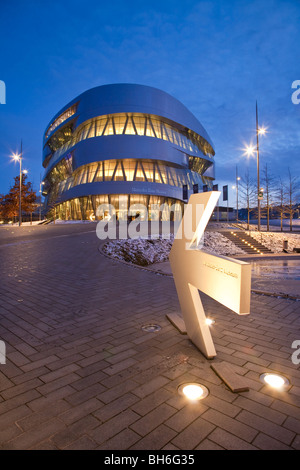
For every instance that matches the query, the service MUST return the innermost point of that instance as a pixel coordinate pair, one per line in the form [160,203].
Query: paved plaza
[81,373]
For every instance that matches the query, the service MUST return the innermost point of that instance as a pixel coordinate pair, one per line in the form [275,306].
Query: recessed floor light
[151,328]
[193,391]
[210,321]
[275,380]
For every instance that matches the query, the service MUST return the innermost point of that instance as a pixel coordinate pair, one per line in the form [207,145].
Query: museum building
[123,144]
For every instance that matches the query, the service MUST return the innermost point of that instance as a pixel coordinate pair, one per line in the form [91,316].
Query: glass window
[139,122]
[139,176]
[99,172]
[129,168]
[92,130]
[119,175]
[149,130]
[157,128]
[63,117]
[148,169]
[109,129]
[92,171]
[109,166]
[100,124]
[130,127]
[119,123]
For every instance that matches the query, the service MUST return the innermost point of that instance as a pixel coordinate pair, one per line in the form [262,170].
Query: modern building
[123,144]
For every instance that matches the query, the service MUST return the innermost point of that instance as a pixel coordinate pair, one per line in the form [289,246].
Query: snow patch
[274,240]
[144,251]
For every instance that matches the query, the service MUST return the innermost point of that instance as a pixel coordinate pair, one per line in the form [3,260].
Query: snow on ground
[144,251]
[274,240]
[24,224]
[63,222]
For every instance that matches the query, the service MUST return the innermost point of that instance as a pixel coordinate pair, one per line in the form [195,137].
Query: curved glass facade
[88,153]
[124,124]
[87,207]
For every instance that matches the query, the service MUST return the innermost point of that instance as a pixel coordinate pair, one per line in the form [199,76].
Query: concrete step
[246,243]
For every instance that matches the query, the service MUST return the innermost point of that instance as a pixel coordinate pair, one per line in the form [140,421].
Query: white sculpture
[226,280]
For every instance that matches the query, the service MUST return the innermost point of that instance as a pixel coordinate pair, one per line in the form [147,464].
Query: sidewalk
[82,374]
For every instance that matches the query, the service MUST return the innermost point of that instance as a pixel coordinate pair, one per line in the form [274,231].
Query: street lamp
[18,158]
[250,151]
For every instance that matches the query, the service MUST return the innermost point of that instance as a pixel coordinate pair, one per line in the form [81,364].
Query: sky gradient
[216,57]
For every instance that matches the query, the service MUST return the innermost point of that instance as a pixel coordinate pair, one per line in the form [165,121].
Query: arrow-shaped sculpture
[226,280]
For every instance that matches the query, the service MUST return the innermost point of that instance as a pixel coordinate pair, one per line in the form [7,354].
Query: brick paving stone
[260,410]
[122,441]
[84,425]
[33,437]
[296,442]
[34,419]
[151,386]
[231,425]
[228,441]
[115,407]
[84,443]
[75,413]
[208,445]
[63,438]
[267,427]
[112,427]
[185,416]
[191,436]
[264,442]
[147,404]
[152,420]
[156,440]
[81,373]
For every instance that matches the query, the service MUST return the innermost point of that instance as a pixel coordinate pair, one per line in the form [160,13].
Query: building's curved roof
[132,98]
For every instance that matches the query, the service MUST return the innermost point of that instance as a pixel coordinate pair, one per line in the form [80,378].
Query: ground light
[210,321]
[275,380]
[193,391]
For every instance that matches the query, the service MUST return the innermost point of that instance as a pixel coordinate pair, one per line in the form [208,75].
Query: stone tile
[82,374]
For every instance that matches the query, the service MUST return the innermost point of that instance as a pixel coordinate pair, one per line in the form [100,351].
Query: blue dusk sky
[217,57]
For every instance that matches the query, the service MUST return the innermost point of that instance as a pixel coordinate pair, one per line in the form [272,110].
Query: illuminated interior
[85,208]
[63,117]
[137,124]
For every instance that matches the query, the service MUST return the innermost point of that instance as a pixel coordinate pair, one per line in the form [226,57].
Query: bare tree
[281,201]
[248,194]
[292,188]
[268,181]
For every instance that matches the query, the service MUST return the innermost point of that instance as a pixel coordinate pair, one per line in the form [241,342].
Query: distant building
[123,144]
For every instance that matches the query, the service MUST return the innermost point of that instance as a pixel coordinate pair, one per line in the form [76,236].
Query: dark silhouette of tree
[268,181]
[248,193]
[292,188]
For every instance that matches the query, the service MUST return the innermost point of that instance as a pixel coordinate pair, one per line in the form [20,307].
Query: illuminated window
[136,124]
[109,129]
[63,117]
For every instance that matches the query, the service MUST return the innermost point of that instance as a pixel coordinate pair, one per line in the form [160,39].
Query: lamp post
[258,180]
[18,158]
[250,151]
